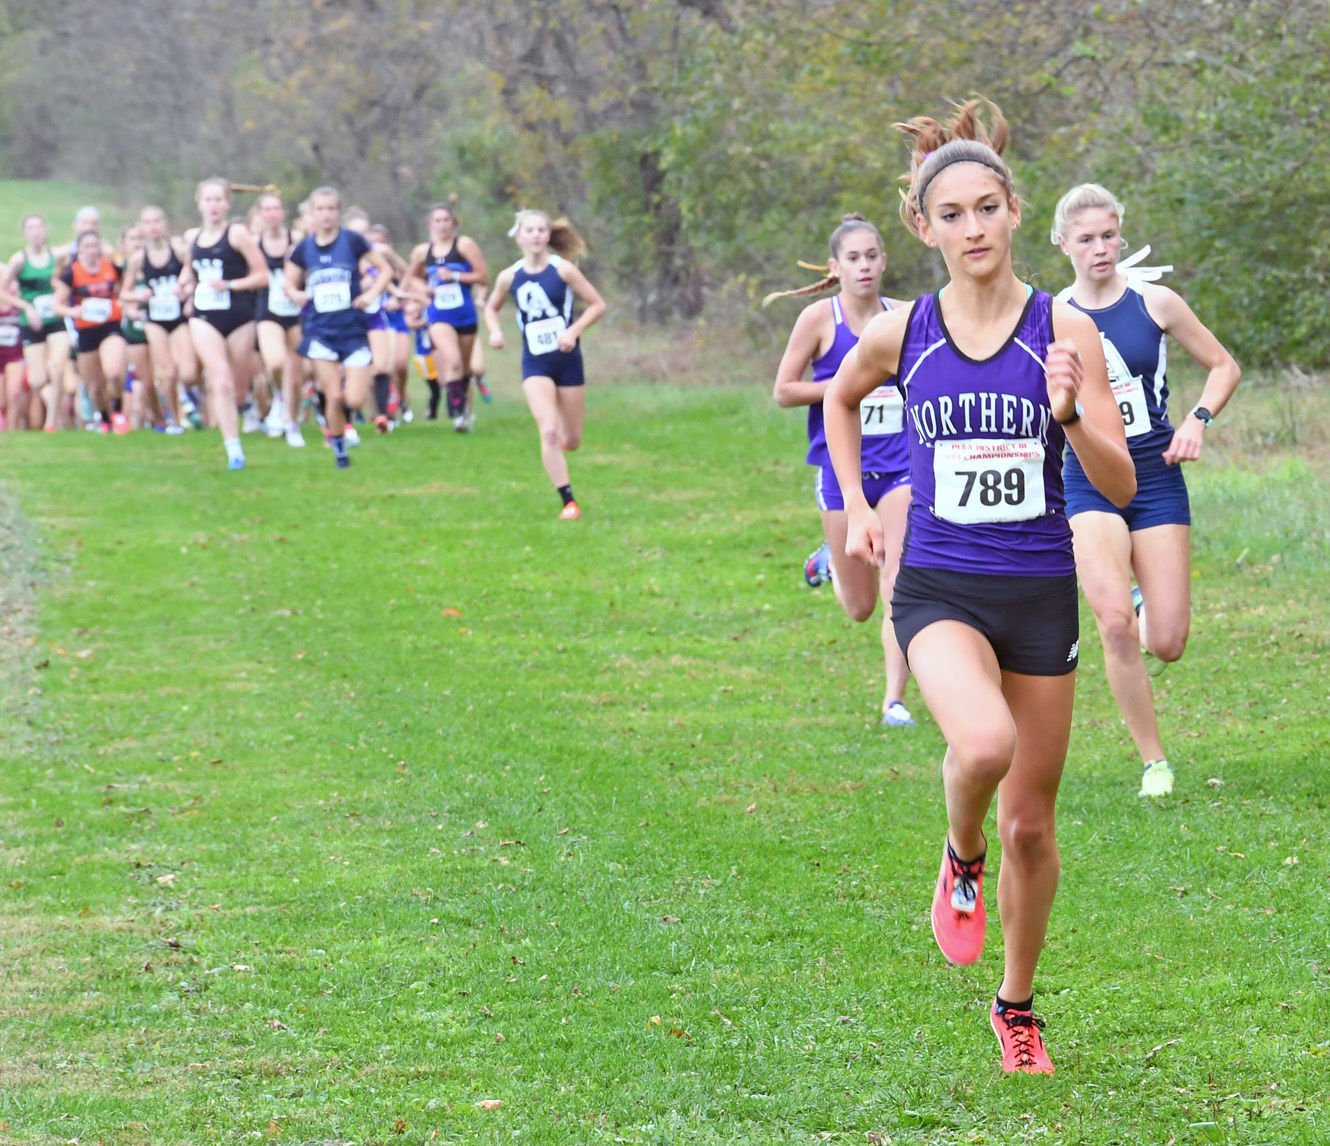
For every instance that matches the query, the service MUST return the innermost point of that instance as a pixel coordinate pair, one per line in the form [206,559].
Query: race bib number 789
[986,481]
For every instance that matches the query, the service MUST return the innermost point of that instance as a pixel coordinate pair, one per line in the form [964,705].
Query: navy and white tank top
[985,451]
[332,281]
[883,448]
[1135,347]
[164,304]
[544,306]
[218,260]
[450,301]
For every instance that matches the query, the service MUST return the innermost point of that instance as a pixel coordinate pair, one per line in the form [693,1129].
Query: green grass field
[57,201]
[340,806]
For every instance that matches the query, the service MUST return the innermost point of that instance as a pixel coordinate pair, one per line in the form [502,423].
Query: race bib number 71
[882,412]
[986,481]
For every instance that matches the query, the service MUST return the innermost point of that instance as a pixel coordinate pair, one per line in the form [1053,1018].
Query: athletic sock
[1003,1005]
[233,449]
[382,393]
[566,492]
[338,446]
[456,398]
[434,394]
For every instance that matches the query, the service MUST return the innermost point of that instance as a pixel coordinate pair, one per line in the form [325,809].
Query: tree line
[705,145]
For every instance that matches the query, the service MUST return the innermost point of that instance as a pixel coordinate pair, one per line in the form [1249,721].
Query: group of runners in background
[976,451]
[253,325]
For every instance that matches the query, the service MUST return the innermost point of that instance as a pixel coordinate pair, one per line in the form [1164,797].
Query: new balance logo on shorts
[1075,648]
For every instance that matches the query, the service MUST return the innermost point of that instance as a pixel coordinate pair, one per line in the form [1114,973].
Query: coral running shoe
[1022,1044]
[817,569]
[958,908]
[570,512]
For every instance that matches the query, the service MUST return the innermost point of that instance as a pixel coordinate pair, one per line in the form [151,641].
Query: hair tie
[1135,274]
[517,222]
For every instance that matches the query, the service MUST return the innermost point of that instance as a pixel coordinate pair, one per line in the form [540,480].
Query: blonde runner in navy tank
[544,285]
[1147,541]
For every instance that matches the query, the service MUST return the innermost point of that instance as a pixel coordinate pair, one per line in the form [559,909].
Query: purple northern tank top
[884,448]
[985,451]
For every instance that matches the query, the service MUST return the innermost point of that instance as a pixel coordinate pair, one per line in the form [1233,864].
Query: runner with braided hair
[823,334]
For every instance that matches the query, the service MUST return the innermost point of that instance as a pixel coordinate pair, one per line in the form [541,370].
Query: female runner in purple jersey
[1150,538]
[821,337]
[996,378]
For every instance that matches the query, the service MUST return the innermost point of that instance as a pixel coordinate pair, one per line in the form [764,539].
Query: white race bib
[9,335]
[45,305]
[278,302]
[882,412]
[331,297]
[206,298]
[448,296]
[164,304]
[1129,394]
[95,310]
[542,336]
[986,481]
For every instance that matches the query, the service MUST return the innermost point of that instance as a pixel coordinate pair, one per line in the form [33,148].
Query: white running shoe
[350,436]
[1157,779]
[294,437]
[896,715]
[274,424]
[250,422]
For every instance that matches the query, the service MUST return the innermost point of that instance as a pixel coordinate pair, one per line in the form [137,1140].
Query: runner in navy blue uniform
[996,378]
[449,266]
[323,271]
[822,336]
[225,269]
[544,284]
[1151,538]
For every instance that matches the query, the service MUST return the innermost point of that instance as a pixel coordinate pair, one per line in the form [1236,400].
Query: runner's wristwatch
[1207,418]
